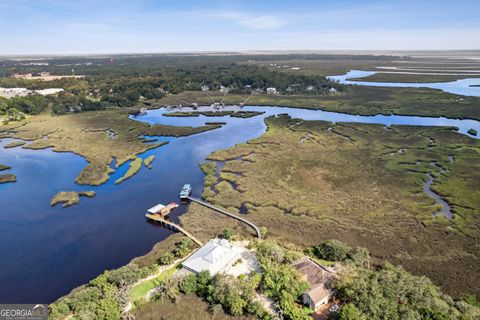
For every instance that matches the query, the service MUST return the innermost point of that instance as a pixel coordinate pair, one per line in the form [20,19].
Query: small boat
[185,192]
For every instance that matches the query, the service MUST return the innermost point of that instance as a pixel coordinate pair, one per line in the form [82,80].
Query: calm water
[464,87]
[48,251]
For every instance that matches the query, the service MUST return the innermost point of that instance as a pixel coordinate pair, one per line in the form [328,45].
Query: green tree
[236,304]
[183,248]
[470,299]
[166,259]
[333,250]
[189,284]
[203,281]
[350,312]
[360,257]
[108,309]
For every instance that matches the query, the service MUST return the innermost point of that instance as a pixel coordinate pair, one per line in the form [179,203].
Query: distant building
[14,92]
[205,88]
[217,255]
[332,90]
[310,88]
[319,278]
[271,90]
[46,92]
[23,76]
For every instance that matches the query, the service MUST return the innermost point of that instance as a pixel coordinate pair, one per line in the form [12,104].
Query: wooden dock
[208,205]
[173,226]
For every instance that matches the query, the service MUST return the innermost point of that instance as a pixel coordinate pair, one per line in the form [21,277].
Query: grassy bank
[362,183]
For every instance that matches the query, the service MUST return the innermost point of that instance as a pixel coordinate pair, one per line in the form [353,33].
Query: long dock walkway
[173,226]
[208,205]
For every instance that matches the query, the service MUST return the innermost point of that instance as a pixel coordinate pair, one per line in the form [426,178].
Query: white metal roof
[155,209]
[214,256]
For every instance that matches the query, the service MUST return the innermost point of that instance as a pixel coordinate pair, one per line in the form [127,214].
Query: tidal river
[465,87]
[46,252]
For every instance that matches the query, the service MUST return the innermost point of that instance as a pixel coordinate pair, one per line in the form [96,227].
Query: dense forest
[123,81]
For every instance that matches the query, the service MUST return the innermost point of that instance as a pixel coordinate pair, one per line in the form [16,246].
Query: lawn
[141,290]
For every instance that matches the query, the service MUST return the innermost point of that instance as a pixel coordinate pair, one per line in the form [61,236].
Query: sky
[29,27]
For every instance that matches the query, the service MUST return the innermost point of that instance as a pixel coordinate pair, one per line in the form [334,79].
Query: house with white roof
[271,90]
[217,255]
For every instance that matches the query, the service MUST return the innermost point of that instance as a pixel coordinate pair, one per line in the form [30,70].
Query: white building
[14,92]
[46,92]
[332,90]
[271,90]
[217,255]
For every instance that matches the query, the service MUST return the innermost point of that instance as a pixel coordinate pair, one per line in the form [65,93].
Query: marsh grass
[9,177]
[70,198]
[133,169]
[14,144]
[362,184]
[148,161]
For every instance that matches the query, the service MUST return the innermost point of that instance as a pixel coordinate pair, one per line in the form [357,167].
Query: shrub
[227,233]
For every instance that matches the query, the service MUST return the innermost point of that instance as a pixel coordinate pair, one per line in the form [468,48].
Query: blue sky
[121,26]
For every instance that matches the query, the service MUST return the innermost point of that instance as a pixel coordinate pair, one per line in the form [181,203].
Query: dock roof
[155,209]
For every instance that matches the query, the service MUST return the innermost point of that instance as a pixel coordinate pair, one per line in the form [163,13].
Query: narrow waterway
[47,251]
[445,210]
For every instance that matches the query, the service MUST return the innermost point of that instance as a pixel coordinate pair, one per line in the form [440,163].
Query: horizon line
[239,52]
